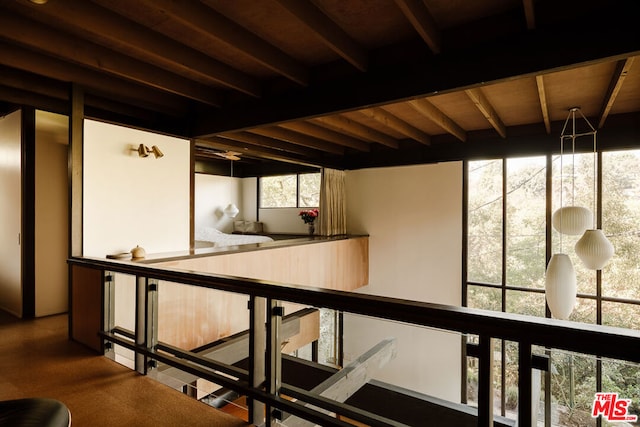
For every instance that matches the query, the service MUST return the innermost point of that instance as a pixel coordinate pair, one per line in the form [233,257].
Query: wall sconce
[144,151]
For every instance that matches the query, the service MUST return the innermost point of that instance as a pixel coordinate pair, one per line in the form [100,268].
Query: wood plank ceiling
[337,83]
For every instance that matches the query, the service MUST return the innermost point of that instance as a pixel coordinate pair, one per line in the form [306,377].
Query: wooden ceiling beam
[482,103]
[92,81]
[431,112]
[19,96]
[221,143]
[266,142]
[620,73]
[34,83]
[387,119]
[542,96]
[298,139]
[115,31]
[343,124]
[418,15]
[527,53]
[66,47]
[328,31]
[327,134]
[211,24]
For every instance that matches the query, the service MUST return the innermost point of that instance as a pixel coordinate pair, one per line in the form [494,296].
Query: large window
[509,240]
[290,191]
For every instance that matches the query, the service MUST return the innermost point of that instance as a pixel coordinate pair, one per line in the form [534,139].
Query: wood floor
[38,360]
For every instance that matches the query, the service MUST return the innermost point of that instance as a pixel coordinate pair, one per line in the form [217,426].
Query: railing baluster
[151,327]
[257,348]
[274,359]
[108,310]
[524,384]
[141,322]
[485,381]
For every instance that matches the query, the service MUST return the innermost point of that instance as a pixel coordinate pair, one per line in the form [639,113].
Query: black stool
[36,412]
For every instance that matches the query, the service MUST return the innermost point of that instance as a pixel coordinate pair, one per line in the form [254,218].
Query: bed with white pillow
[218,239]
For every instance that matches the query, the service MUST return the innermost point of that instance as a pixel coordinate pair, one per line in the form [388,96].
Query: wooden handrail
[597,340]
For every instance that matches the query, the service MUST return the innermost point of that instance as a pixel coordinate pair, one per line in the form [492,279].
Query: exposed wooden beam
[529,13]
[542,96]
[212,24]
[29,82]
[116,32]
[328,31]
[266,142]
[91,81]
[487,110]
[347,381]
[528,53]
[418,14]
[387,119]
[430,111]
[298,139]
[327,135]
[220,143]
[61,45]
[344,124]
[620,73]
[18,96]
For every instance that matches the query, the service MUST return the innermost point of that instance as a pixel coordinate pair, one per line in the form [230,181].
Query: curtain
[332,219]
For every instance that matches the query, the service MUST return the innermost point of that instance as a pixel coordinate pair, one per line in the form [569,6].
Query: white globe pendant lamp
[231,210]
[572,220]
[560,286]
[594,249]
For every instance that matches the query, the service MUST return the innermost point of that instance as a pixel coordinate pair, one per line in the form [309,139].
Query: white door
[10,213]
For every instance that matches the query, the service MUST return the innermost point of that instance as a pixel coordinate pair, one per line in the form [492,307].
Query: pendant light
[560,281]
[231,210]
[560,286]
[593,248]
[571,220]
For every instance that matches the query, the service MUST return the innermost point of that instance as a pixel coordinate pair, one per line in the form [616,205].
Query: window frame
[504,287]
[297,195]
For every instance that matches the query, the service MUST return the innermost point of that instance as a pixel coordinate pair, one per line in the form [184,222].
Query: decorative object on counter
[138,252]
[309,216]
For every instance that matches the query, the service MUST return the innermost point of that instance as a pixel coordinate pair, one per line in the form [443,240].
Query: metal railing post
[257,348]
[273,355]
[525,382]
[141,322]
[485,381]
[108,310]
[151,319]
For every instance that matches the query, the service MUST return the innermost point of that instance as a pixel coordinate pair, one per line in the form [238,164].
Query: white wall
[129,200]
[10,213]
[413,215]
[212,194]
[249,199]
[51,214]
[283,220]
